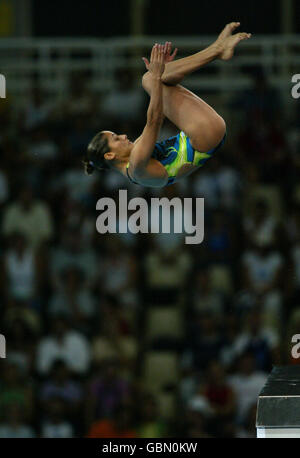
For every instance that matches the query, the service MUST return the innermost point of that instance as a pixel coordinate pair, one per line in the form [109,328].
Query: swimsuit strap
[132,181]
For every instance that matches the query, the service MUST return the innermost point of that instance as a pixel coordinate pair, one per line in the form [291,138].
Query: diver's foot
[226,42]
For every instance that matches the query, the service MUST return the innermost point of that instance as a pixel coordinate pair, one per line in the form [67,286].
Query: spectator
[219,242]
[78,185]
[205,184]
[60,385]
[79,100]
[37,110]
[260,225]
[205,298]
[259,100]
[80,134]
[119,273]
[167,267]
[112,322]
[218,392]
[73,252]
[73,299]
[115,104]
[55,424]
[108,389]
[42,147]
[17,309]
[231,332]
[120,425]
[246,384]
[196,419]
[204,341]
[262,275]
[30,217]
[66,344]
[262,341]
[22,268]
[229,182]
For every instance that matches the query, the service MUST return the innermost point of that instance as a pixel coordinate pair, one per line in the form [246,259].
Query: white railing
[52,60]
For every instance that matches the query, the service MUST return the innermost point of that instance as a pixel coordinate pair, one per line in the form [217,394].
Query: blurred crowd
[123,335]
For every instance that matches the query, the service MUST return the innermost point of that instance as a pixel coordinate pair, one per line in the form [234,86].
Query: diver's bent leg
[222,48]
[176,70]
[199,121]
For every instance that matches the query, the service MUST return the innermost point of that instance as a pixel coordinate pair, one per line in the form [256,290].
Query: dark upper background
[174,17]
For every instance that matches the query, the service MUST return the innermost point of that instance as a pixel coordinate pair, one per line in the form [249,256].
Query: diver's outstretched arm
[142,150]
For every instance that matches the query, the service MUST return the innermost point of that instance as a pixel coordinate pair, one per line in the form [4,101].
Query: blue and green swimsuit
[177,151]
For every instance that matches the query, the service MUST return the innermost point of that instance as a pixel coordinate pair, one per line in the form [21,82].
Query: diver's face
[118,144]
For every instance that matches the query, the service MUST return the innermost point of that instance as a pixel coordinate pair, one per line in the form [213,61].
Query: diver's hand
[169,56]
[156,66]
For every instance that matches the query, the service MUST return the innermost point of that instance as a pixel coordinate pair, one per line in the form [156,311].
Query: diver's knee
[208,133]
[218,130]
[222,126]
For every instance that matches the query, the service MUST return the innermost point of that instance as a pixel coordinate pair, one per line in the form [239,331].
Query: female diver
[202,131]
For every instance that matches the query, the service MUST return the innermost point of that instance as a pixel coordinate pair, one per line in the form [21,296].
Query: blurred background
[143,335]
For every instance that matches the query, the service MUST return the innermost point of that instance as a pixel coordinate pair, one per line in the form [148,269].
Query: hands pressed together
[160,55]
